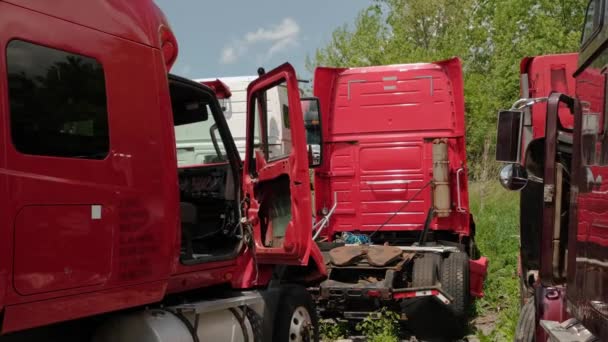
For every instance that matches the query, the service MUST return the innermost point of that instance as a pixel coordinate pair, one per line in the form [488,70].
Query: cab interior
[208,186]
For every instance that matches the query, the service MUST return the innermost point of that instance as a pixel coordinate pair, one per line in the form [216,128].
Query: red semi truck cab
[98,220]
[562,174]
[393,181]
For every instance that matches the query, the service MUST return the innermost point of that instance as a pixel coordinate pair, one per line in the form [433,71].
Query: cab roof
[137,20]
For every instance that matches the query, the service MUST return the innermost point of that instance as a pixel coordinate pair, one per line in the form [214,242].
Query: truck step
[568,331]
[249,298]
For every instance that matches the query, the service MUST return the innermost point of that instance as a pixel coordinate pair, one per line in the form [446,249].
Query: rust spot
[346,255]
[383,255]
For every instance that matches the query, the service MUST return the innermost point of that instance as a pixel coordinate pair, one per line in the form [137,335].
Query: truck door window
[57,102]
[593,21]
[272,107]
[197,136]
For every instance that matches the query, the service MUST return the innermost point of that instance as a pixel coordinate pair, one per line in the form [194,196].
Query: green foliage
[490,36]
[496,213]
[384,328]
[331,330]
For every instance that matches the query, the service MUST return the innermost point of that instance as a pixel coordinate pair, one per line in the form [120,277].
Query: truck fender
[316,263]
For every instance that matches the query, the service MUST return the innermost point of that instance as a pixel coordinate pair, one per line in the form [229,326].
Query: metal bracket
[430,79]
[459,209]
[349,85]
[437,249]
[243,299]
[568,331]
[389,182]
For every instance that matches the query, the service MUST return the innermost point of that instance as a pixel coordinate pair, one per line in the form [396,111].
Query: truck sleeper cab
[540,76]
[100,220]
[394,175]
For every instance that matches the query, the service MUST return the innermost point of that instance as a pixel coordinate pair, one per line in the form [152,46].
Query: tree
[365,45]
[490,36]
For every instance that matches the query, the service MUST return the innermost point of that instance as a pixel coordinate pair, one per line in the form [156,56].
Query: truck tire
[455,281]
[426,270]
[296,319]
[526,323]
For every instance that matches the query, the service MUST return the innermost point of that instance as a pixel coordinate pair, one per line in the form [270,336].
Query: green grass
[496,213]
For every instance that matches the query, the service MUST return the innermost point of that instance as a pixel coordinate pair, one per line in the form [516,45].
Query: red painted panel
[546,74]
[135,184]
[53,249]
[587,279]
[392,100]
[136,20]
[297,243]
[478,270]
[31,315]
[380,122]
[388,158]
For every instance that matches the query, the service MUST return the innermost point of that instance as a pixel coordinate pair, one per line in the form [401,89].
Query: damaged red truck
[394,174]
[103,236]
[562,172]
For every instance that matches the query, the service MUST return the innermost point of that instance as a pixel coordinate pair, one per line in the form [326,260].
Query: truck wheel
[426,270]
[526,324]
[455,281]
[296,319]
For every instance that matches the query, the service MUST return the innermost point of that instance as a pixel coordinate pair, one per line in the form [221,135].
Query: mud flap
[272,297]
[478,269]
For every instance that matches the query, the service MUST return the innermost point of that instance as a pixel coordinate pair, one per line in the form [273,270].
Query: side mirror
[314,133]
[513,177]
[508,137]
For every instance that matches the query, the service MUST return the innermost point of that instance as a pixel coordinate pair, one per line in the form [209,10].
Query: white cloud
[228,55]
[278,38]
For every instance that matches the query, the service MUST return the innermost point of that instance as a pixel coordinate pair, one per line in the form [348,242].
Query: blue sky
[235,37]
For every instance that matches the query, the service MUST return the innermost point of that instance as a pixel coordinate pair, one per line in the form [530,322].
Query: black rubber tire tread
[256,322]
[426,270]
[526,323]
[293,296]
[455,281]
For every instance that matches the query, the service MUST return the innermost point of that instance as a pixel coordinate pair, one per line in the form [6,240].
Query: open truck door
[277,199]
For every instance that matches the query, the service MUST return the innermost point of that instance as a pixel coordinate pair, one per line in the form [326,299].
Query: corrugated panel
[393,101]
[374,180]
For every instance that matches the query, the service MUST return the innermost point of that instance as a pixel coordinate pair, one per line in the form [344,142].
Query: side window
[593,20]
[272,123]
[58,103]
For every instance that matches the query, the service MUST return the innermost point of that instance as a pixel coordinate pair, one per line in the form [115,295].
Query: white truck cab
[195,148]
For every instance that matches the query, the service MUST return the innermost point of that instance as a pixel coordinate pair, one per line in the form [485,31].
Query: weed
[332,330]
[382,326]
[496,213]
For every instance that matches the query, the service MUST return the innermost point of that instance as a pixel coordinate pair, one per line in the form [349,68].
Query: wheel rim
[300,326]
